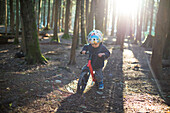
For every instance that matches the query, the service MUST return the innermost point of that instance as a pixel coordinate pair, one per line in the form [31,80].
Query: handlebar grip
[85,53]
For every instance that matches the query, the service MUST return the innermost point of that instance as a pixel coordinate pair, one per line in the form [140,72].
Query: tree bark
[44,12]
[53,12]
[16,41]
[74,40]
[48,18]
[63,15]
[151,19]
[99,14]
[33,53]
[87,14]
[83,30]
[113,17]
[67,15]
[5,17]
[2,12]
[91,17]
[39,15]
[59,15]
[56,38]
[140,24]
[166,50]
[105,18]
[160,36]
[11,17]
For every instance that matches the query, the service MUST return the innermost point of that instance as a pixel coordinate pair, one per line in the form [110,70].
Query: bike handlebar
[85,53]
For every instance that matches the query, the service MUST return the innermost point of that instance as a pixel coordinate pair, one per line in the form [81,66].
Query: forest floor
[129,84]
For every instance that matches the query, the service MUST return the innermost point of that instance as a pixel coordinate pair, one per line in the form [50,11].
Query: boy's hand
[83,52]
[101,54]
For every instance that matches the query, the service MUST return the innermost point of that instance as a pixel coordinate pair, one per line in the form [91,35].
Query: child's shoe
[101,85]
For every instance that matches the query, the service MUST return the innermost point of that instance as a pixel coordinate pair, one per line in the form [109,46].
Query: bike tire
[82,82]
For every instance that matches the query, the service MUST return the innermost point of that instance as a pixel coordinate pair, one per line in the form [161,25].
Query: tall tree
[87,13]
[151,19]
[5,17]
[161,31]
[16,41]
[59,16]
[91,17]
[67,15]
[83,30]
[53,12]
[56,38]
[39,14]
[11,17]
[166,50]
[113,17]
[33,53]
[2,12]
[48,18]
[121,30]
[99,14]
[139,24]
[105,17]
[44,13]
[23,47]
[74,40]
[146,14]
[63,14]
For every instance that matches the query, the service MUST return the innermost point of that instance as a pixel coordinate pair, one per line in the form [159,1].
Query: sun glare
[127,6]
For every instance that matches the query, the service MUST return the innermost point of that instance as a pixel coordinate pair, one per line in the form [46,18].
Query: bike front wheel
[82,82]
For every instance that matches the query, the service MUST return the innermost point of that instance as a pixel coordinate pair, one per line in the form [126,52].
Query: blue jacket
[97,62]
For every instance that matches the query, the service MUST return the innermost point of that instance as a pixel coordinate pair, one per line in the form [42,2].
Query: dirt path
[129,86]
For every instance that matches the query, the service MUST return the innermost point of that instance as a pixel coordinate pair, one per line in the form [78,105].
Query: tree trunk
[53,12]
[48,18]
[33,53]
[160,36]
[5,17]
[99,14]
[105,17]
[113,17]
[151,19]
[146,15]
[139,27]
[63,14]
[11,17]
[2,12]
[121,30]
[83,30]
[70,18]
[44,13]
[74,40]
[16,41]
[66,29]
[56,38]
[87,14]
[166,50]
[39,15]
[23,46]
[91,17]
[59,15]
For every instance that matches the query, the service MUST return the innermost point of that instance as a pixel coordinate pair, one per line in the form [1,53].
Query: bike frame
[91,69]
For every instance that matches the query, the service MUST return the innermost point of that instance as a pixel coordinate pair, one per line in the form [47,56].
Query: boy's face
[95,45]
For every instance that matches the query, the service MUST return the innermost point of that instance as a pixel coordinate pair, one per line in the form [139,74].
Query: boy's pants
[98,75]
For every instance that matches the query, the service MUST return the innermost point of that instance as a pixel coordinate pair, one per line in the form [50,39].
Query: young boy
[99,53]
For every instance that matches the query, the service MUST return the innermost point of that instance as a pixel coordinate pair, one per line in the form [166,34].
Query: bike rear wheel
[82,82]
